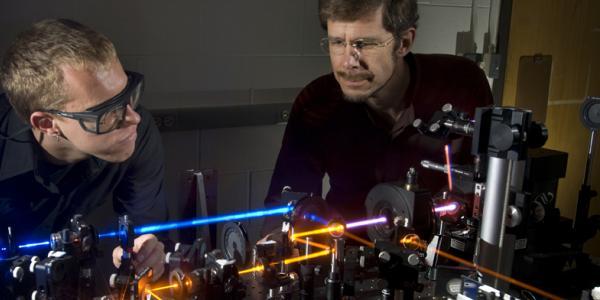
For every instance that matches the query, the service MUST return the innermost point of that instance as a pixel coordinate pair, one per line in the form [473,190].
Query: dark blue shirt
[38,198]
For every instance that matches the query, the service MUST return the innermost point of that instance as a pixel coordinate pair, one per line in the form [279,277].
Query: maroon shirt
[327,134]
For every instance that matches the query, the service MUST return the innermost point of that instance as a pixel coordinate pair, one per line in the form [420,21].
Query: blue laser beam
[204,221]
[33,245]
[189,223]
[108,234]
[211,220]
[315,218]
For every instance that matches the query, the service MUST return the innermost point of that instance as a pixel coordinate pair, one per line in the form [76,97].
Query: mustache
[355,76]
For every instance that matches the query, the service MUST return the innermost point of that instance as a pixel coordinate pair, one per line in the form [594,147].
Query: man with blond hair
[72,136]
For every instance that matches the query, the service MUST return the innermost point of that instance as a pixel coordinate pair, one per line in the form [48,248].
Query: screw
[385,256]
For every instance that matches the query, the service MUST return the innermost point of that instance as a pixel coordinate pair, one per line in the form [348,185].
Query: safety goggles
[110,114]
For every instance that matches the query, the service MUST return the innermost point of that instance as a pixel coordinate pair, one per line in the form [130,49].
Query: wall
[226,54]
[570,32]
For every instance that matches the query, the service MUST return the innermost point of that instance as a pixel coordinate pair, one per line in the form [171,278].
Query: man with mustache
[72,136]
[355,124]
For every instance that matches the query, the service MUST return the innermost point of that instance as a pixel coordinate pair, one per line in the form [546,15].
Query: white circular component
[384,256]
[34,261]
[34,295]
[167,257]
[447,107]
[538,211]
[596,293]
[235,244]
[112,280]
[590,113]
[393,202]
[18,273]
[413,259]
[177,247]
[514,217]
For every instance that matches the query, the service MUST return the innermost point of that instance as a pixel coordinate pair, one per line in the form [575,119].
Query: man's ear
[43,122]
[406,42]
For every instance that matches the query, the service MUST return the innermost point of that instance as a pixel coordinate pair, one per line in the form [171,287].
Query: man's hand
[149,252]
[274,235]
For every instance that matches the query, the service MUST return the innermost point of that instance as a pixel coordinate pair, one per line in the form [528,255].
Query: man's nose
[351,57]
[131,116]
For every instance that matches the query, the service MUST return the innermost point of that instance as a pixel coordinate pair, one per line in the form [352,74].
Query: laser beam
[446,208]
[448,166]
[315,218]
[327,229]
[204,221]
[287,261]
[314,244]
[211,220]
[418,243]
[250,270]
[189,223]
[153,295]
[366,222]
[306,257]
[359,239]
[33,245]
[175,285]
[334,228]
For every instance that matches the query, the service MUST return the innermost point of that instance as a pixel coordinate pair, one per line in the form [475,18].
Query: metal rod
[497,186]
[443,168]
[590,158]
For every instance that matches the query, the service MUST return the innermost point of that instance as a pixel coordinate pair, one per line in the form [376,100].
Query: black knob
[537,135]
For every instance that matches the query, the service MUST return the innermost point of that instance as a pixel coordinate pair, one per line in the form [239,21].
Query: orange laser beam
[500,276]
[154,295]
[306,257]
[250,270]
[287,261]
[314,244]
[327,229]
[175,285]
[359,239]
[485,270]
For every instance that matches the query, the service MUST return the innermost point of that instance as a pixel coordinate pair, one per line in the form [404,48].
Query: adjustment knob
[385,256]
[18,273]
[112,281]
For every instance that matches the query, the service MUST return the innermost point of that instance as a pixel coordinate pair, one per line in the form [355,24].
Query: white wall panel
[233,195]
[243,148]
[259,185]
[182,152]
[261,27]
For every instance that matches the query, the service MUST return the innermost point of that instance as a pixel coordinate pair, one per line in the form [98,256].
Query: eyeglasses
[110,114]
[337,46]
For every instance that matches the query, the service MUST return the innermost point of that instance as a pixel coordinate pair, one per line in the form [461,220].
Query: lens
[135,94]
[111,119]
[336,229]
[88,124]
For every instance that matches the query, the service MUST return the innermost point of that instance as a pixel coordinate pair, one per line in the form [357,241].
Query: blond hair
[31,73]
